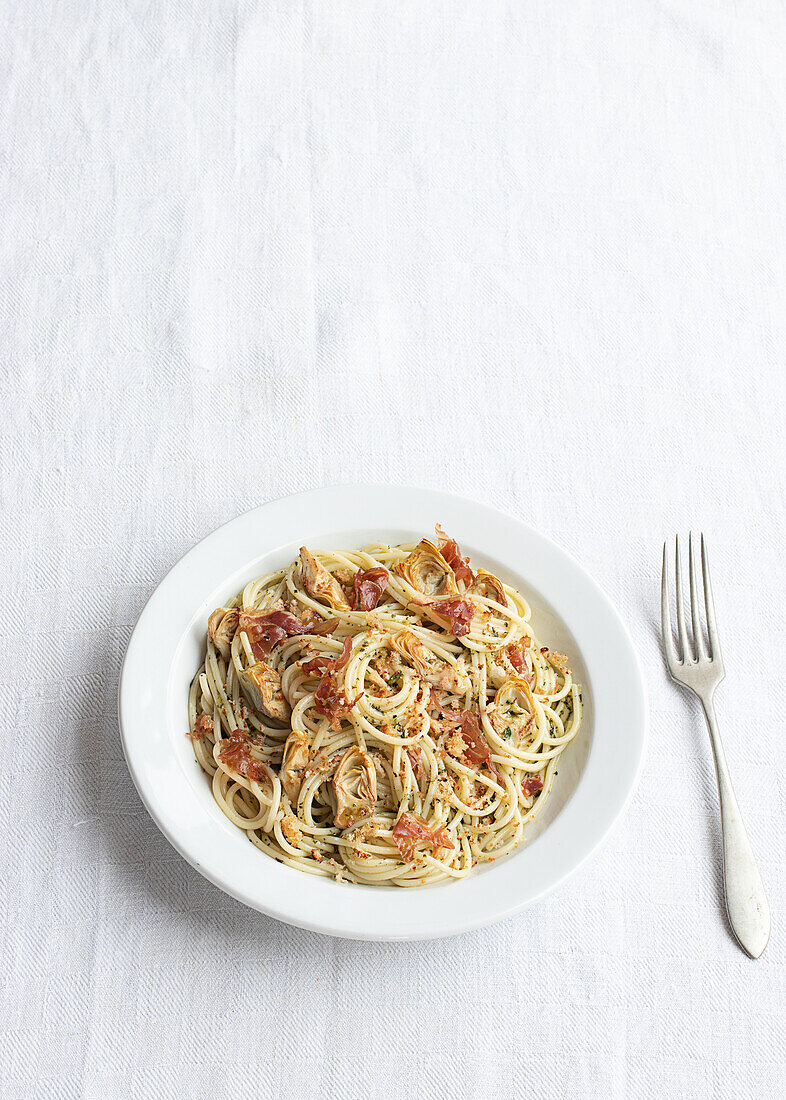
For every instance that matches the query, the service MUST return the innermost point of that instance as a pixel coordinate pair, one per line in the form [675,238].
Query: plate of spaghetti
[382,713]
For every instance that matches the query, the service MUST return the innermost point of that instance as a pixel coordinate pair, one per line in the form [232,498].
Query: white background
[528,252]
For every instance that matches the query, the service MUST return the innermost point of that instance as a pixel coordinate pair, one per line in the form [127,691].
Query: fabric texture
[530,253]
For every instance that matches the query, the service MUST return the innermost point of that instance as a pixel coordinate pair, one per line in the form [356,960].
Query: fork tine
[665,617]
[682,633]
[709,603]
[698,635]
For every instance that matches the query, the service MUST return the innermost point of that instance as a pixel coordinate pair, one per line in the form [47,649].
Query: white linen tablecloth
[530,253]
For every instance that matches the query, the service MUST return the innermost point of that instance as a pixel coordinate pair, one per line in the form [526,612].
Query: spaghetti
[382,716]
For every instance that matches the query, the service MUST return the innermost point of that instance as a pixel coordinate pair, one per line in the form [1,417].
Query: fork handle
[746,902]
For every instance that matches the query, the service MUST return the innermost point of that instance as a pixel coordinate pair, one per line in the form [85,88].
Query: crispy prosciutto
[267,629]
[516,653]
[314,623]
[458,611]
[368,586]
[202,726]
[449,714]
[329,699]
[450,552]
[531,785]
[321,663]
[468,744]
[476,750]
[515,660]
[415,755]
[411,832]
[235,753]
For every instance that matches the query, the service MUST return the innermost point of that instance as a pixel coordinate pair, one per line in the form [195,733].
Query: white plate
[597,773]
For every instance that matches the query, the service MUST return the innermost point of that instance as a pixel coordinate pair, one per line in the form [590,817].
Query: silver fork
[701,670]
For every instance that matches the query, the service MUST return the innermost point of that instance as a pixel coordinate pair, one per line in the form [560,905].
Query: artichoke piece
[441,674]
[296,757]
[319,583]
[355,784]
[221,627]
[427,572]
[512,713]
[489,586]
[261,685]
